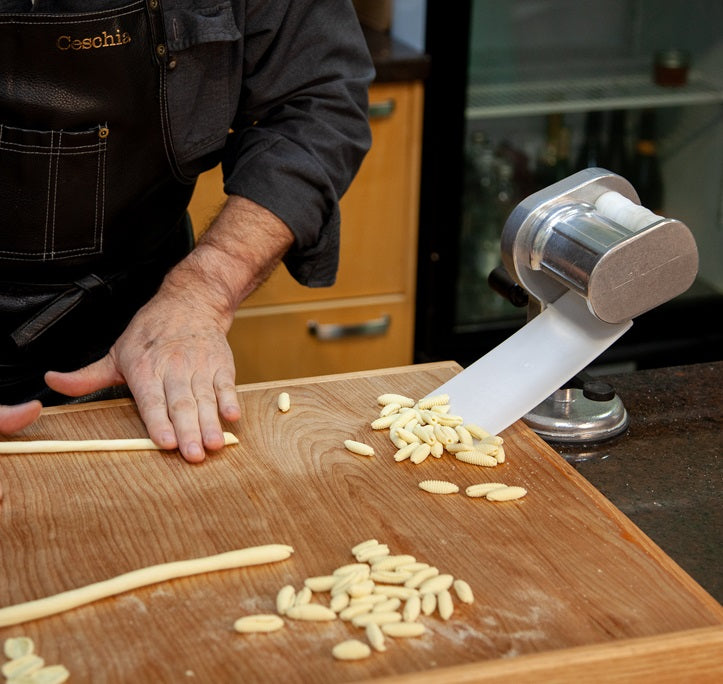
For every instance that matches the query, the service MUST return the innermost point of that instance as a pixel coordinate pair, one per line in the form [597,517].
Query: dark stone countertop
[664,472]
[394,60]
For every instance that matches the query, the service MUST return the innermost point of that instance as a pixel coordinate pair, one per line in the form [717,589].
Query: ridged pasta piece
[351,649]
[476,458]
[412,609]
[361,588]
[17,647]
[371,552]
[375,637]
[479,447]
[438,487]
[303,597]
[425,433]
[436,584]
[436,400]
[314,612]
[403,418]
[284,402]
[378,618]
[464,435]
[445,606]
[404,629]
[420,454]
[388,409]
[415,581]
[451,420]
[476,431]
[391,398]
[285,599]
[506,494]
[395,439]
[258,623]
[405,452]
[383,422]
[369,599]
[358,448]
[482,489]
[463,591]
[346,581]
[351,612]
[22,667]
[446,434]
[390,576]
[350,568]
[392,591]
[320,583]
[407,436]
[429,603]
[393,562]
[339,602]
[413,567]
[388,606]
[360,547]
[50,674]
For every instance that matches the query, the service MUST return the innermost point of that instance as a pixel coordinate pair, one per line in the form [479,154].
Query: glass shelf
[624,91]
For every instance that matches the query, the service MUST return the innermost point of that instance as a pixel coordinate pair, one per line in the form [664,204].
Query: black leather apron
[92,203]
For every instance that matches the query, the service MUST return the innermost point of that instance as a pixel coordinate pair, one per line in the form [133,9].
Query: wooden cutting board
[562,579]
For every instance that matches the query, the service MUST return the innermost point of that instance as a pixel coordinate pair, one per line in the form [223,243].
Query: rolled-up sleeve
[301,129]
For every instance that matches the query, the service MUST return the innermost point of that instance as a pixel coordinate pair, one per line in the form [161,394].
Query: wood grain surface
[560,570]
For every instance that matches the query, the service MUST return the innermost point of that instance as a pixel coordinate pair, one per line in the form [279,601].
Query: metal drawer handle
[383,109]
[337,331]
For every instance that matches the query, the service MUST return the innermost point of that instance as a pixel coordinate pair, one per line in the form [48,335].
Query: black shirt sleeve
[301,130]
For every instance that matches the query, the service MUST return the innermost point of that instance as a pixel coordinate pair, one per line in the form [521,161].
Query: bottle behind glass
[591,151]
[617,150]
[646,175]
[554,162]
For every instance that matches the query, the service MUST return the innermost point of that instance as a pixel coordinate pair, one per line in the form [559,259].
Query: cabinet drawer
[274,344]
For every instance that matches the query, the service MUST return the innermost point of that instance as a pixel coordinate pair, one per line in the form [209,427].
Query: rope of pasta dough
[59,603]
[56,446]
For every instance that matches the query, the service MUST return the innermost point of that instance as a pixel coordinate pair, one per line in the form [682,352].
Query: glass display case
[524,93]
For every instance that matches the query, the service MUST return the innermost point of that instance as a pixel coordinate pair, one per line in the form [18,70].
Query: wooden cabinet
[366,320]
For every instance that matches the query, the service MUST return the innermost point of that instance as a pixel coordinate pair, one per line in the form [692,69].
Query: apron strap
[58,308]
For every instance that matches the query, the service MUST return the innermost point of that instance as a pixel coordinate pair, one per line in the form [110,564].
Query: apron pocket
[52,187]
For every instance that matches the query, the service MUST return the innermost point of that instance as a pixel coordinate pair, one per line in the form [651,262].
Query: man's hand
[174,355]
[177,363]
[14,418]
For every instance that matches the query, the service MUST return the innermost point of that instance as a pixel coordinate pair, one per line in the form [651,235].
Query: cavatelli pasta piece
[391,398]
[438,487]
[258,623]
[436,400]
[506,494]
[359,447]
[283,402]
[404,629]
[463,591]
[482,489]
[476,458]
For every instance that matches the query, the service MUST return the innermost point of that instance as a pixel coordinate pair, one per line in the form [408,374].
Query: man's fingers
[14,418]
[183,413]
[154,413]
[226,395]
[98,375]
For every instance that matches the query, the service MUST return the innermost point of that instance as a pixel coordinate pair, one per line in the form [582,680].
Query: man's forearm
[240,249]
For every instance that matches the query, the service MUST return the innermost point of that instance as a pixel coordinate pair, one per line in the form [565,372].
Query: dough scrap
[59,603]
[57,446]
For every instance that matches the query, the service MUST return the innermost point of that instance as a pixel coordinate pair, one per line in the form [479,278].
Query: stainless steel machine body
[588,233]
